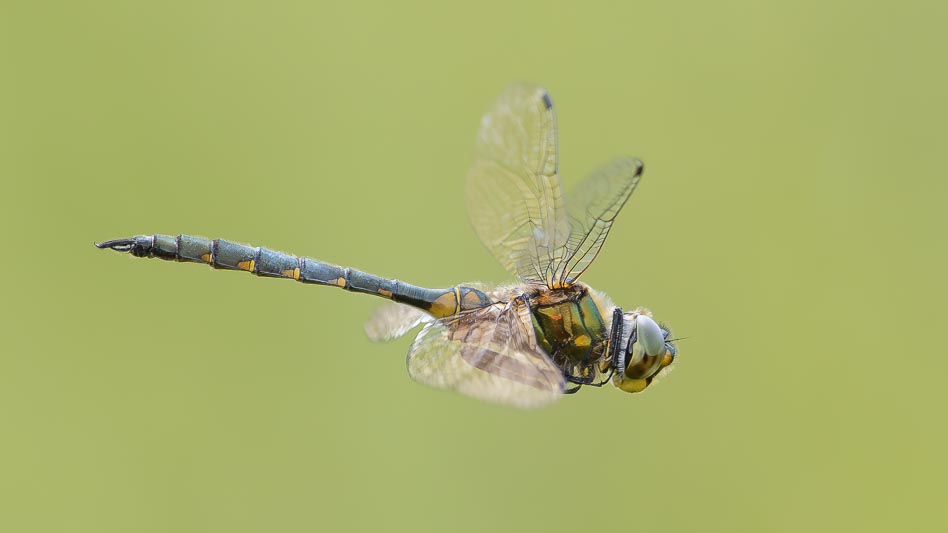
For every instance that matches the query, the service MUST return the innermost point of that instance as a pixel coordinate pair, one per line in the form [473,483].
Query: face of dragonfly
[644,352]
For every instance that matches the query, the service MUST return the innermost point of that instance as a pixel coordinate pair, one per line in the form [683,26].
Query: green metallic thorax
[571,331]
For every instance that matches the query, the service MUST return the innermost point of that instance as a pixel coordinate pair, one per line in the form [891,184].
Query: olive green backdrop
[790,223]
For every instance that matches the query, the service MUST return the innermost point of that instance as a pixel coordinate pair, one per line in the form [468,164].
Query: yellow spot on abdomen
[472,300]
[206,258]
[341,282]
[385,293]
[295,273]
[247,265]
[445,305]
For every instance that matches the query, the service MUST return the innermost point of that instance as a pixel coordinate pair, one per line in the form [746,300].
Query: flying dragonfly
[525,344]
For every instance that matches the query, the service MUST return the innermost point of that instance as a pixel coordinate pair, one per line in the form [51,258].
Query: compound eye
[641,365]
[645,355]
[651,336]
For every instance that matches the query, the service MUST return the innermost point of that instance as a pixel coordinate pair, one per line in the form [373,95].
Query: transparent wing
[513,191]
[489,354]
[391,320]
[593,206]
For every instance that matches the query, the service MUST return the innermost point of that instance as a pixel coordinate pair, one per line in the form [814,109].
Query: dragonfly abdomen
[226,255]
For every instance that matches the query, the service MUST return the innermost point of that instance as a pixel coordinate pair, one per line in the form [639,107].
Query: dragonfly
[524,344]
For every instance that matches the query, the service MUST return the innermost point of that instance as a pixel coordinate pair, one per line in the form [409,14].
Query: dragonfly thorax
[569,327]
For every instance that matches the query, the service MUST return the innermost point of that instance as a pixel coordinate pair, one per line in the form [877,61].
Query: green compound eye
[650,335]
[646,354]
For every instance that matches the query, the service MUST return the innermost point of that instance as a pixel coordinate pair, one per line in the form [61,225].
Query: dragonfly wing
[593,206]
[489,354]
[513,190]
[391,320]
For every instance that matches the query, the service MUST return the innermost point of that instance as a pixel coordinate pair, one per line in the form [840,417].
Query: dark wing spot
[547,101]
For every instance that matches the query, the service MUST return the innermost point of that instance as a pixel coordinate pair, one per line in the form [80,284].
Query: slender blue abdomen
[227,255]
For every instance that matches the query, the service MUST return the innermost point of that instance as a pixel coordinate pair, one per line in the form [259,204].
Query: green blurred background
[791,224]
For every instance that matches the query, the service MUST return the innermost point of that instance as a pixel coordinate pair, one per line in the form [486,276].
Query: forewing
[513,191]
[489,354]
[593,206]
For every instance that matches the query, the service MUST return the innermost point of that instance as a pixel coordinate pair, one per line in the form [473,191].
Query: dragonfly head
[643,350]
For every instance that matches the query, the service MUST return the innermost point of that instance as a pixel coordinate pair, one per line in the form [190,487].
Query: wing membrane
[515,200]
[391,320]
[489,354]
[593,206]
[513,191]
